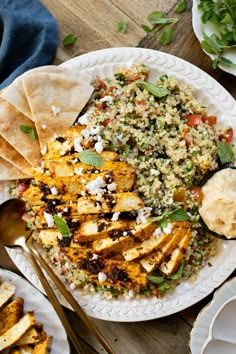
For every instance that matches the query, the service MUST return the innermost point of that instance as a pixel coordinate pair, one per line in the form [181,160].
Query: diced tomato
[209,119]
[100,106]
[228,135]
[140,102]
[133,77]
[109,92]
[22,187]
[106,122]
[99,83]
[193,119]
[197,193]
[180,195]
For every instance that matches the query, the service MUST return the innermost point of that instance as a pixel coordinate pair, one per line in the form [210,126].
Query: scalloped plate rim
[209,278]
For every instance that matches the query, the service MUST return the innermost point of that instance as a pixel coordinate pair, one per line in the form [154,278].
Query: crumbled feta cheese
[49,219]
[106,99]
[115,216]
[83,120]
[65,210]
[94,187]
[143,214]
[85,133]
[95,256]
[44,126]
[44,150]
[120,137]
[94,131]
[98,147]
[167,229]
[55,110]
[77,144]
[54,190]
[154,172]
[157,232]
[79,171]
[102,277]
[66,146]
[125,233]
[111,187]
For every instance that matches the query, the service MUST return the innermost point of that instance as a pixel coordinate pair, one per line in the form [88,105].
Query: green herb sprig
[178,214]
[225,153]
[222,14]
[157,91]
[62,226]
[159,20]
[121,26]
[90,158]
[28,130]
[69,39]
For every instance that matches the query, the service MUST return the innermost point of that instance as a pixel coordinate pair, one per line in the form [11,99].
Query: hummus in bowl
[218,208]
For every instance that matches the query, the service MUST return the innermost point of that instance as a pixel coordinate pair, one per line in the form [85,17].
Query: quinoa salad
[164,142]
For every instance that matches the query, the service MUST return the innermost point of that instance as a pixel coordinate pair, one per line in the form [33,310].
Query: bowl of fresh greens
[214,24]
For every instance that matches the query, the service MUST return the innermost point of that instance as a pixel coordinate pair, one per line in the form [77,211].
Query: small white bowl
[222,331]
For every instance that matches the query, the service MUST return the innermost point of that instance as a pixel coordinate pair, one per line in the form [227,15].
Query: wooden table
[93,22]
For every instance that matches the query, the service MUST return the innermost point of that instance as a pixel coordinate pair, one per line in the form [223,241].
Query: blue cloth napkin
[28,38]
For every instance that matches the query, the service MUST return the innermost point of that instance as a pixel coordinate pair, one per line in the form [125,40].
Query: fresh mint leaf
[181,6]
[226,62]
[32,135]
[231,6]
[156,16]
[215,63]
[155,279]
[211,44]
[178,215]
[225,152]
[70,39]
[167,36]
[28,130]
[146,28]
[164,286]
[62,226]
[90,158]
[178,273]
[121,26]
[157,91]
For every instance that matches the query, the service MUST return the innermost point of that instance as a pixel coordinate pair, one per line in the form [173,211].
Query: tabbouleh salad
[172,142]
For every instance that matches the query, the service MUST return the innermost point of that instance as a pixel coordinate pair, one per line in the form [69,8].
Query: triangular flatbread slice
[10,122]
[15,92]
[10,172]
[8,153]
[55,101]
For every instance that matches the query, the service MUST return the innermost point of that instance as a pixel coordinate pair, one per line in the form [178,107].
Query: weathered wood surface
[94,22]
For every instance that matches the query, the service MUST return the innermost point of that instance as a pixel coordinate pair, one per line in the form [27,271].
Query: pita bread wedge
[8,153]
[15,92]
[10,172]
[55,101]
[10,122]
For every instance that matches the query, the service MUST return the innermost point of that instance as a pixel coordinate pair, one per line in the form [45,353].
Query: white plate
[44,312]
[200,331]
[209,28]
[221,104]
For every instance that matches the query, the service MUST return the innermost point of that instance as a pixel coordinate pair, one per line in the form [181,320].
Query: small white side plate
[44,312]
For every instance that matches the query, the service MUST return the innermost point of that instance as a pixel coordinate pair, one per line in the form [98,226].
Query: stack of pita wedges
[39,104]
